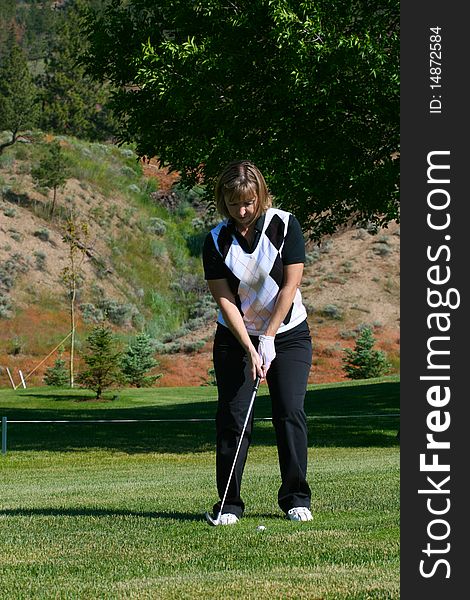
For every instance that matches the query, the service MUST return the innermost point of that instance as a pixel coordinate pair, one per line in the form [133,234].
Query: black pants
[287,381]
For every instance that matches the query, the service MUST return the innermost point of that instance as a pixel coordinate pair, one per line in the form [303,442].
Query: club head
[211,521]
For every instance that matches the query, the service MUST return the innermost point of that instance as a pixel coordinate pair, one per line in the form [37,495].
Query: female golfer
[253,262]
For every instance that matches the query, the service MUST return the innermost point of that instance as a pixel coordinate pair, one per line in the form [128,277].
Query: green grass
[115,510]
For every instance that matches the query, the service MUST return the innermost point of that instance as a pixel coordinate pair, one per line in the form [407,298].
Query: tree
[18,95]
[37,20]
[7,24]
[363,362]
[57,375]
[52,171]
[103,361]
[72,103]
[137,360]
[309,91]
[76,238]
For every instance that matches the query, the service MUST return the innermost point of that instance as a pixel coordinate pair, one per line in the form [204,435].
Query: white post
[4,435]
[22,378]
[11,379]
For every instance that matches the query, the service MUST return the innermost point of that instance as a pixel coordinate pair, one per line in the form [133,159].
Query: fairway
[115,510]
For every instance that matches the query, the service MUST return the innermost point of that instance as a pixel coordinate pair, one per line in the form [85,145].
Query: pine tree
[37,21]
[7,25]
[73,104]
[137,360]
[18,95]
[103,360]
[52,171]
[363,362]
[57,375]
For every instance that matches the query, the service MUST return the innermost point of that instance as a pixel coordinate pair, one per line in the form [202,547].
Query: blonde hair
[241,179]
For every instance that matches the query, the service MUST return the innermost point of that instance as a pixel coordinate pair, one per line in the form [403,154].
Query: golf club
[216,521]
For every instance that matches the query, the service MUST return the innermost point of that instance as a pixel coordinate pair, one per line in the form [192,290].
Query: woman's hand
[266,352]
[255,364]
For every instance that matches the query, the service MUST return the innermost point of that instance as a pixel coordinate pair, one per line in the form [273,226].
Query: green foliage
[72,103]
[52,171]
[37,20]
[103,361]
[363,362]
[137,360]
[308,91]
[18,95]
[7,20]
[57,375]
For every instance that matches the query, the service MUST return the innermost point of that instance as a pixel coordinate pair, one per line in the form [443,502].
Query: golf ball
[261,528]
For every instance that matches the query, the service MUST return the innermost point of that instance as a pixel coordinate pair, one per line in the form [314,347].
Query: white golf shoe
[228,519]
[299,513]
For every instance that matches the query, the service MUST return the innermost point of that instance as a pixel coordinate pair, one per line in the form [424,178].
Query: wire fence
[6,422]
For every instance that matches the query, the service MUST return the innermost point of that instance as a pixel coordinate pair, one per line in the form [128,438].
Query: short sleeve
[214,266]
[293,251]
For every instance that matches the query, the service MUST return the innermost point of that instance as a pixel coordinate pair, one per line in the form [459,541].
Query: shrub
[107,309]
[16,235]
[9,270]
[40,260]
[137,360]
[332,311]
[157,226]
[116,313]
[382,249]
[17,346]
[312,256]
[9,211]
[42,234]
[103,361]
[360,234]
[5,306]
[348,334]
[158,249]
[57,375]
[363,362]
[191,347]
[128,171]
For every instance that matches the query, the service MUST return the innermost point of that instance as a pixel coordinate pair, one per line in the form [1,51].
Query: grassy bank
[114,510]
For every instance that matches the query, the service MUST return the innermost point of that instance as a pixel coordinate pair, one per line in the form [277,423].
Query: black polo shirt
[293,251]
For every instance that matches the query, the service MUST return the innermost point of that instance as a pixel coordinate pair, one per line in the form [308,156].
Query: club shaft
[247,418]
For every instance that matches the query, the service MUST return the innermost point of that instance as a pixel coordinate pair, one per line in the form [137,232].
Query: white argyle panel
[259,273]
[257,290]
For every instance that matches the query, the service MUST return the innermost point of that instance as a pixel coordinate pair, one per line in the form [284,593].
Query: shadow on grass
[99,512]
[361,415]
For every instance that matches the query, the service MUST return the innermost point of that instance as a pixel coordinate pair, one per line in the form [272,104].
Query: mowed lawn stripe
[122,519]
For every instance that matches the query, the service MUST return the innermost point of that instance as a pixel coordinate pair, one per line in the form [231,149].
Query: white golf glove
[266,350]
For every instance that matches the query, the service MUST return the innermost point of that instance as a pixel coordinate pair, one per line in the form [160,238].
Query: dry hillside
[352,279]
